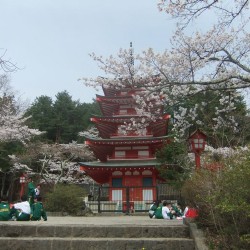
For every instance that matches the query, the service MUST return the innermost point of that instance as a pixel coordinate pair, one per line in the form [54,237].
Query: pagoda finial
[131,59]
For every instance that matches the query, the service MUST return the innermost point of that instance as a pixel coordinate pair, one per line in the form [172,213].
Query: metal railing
[130,202]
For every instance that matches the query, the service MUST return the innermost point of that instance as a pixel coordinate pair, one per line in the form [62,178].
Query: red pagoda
[126,159]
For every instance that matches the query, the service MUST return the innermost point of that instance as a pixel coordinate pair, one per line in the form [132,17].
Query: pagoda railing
[100,202]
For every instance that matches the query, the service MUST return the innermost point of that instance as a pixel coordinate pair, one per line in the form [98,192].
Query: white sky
[51,40]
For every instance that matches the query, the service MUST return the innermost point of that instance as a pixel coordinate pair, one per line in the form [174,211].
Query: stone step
[69,243]
[101,231]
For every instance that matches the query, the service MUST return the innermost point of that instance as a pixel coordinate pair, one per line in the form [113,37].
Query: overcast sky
[51,40]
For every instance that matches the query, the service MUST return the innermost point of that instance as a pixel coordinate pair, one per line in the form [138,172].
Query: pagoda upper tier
[129,90]
[122,105]
[126,147]
[108,126]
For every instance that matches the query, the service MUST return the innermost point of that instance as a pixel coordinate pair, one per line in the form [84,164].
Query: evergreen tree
[62,119]
[42,115]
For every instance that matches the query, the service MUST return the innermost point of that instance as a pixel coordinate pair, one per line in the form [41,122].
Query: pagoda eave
[115,99]
[100,171]
[127,141]
[111,91]
[120,119]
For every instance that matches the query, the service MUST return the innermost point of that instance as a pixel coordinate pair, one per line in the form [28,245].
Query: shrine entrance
[135,190]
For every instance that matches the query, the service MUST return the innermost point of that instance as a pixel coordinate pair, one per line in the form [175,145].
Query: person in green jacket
[177,211]
[153,208]
[37,210]
[158,212]
[31,191]
[4,209]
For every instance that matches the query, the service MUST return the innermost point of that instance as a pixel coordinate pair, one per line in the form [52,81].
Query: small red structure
[197,142]
[125,159]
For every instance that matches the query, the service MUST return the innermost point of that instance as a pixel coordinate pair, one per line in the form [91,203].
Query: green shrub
[174,163]
[65,198]
[223,200]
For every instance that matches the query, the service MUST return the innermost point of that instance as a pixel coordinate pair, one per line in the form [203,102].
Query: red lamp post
[22,182]
[197,142]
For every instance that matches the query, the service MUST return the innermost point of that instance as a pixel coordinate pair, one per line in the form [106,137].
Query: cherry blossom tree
[12,123]
[60,162]
[216,59]
[12,129]
[54,163]
[187,11]
[48,164]
[166,82]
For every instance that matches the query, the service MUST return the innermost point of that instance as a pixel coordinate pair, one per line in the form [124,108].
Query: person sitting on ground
[21,210]
[177,211]
[4,209]
[158,212]
[185,211]
[153,208]
[167,212]
[191,212]
[37,210]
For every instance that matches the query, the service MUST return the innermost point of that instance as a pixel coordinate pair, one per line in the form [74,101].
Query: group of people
[29,208]
[166,210]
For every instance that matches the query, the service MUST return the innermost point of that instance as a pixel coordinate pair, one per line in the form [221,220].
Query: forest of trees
[42,140]
[62,119]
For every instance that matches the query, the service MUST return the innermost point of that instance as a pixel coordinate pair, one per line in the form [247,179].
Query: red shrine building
[125,158]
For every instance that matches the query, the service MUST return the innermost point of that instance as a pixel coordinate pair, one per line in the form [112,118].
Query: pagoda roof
[111,104]
[122,118]
[128,99]
[127,140]
[108,109]
[108,91]
[103,148]
[107,125]
[100,171]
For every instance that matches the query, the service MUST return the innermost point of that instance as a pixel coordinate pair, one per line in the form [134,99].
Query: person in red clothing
[190,212]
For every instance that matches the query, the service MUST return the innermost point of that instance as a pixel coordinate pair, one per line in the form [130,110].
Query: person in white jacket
[166,210]
[21,210]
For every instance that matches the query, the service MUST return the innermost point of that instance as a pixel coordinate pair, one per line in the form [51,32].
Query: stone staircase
[42,236]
